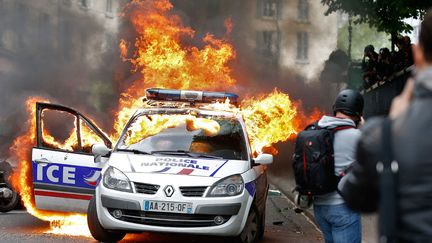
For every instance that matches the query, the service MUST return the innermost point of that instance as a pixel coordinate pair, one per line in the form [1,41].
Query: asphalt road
[282,225]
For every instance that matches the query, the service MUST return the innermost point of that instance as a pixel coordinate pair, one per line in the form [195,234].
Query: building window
[109,6]
[66,40]
[302,46]
[85,4]
[45,31]
[44,21]
[22,29]
[303,10]
[108,42]
[268,44]
[67,2]
[269,8]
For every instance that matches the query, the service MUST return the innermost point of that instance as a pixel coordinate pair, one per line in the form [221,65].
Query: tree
[385,15]
[364,35]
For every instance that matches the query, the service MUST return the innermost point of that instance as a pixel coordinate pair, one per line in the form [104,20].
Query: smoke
[256,70]
[259,72]
[70,58]
[66,55]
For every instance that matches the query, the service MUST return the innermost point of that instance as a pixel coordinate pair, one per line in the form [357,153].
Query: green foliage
[385,15]
[362,35]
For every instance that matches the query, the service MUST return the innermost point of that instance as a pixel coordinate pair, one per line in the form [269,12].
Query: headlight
[230,186]
[116,180]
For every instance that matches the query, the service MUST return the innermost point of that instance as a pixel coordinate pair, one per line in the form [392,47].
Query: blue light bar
[189,95]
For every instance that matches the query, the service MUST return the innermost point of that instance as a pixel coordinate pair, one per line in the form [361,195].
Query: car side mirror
[99,150]
[264,159]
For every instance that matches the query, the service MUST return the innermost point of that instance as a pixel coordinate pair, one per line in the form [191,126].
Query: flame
[269,119]
[67,223]
[274,118]
[163,61]
[70,144]
[145,126]
[210,127]
[88,137]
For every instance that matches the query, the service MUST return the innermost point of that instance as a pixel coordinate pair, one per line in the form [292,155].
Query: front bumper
[233,210]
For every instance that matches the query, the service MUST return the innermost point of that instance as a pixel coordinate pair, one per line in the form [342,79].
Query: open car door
[64,172]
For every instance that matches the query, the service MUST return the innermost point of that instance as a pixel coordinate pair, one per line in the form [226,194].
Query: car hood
[134,163]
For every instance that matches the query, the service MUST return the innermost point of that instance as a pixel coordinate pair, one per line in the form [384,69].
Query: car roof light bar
[189,96]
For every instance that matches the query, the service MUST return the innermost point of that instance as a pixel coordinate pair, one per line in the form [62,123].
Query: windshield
[206,136]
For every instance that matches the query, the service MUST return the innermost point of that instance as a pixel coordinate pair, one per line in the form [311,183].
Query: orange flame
[73,224]
[164,62]
[269,119]
[145,127]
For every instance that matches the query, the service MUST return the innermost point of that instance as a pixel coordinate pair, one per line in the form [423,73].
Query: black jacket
[412,145]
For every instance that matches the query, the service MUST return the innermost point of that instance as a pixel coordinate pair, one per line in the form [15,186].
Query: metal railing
[379,96]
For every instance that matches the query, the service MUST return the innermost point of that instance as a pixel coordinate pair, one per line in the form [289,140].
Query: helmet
[349,102]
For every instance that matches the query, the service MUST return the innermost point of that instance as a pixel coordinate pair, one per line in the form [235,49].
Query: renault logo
[169,191]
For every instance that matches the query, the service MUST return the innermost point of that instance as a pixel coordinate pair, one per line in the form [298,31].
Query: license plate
[167,207]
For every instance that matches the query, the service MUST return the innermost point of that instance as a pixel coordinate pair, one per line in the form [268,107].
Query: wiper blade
[135,151]
[171,152]
[201,155]
[184,152]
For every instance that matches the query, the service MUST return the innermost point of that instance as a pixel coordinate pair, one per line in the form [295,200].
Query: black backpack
[313,160]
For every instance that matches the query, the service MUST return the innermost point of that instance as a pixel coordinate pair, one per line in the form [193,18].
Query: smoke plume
[69,58]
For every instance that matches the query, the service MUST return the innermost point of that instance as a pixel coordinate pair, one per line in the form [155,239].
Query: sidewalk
[284,225]
[286,184]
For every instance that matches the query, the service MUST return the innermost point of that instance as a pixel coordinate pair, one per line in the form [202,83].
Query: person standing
[338,223]
[407,142]
[369,66]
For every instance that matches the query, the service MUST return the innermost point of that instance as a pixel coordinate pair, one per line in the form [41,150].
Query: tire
[8,204]
[96,229]
[254,228]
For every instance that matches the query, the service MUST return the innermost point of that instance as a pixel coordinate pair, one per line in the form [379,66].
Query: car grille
[169,219]
[146,188]
[193,191]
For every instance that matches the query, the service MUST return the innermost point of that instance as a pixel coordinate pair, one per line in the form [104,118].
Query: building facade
[280,35]
[74,29]
[294,35]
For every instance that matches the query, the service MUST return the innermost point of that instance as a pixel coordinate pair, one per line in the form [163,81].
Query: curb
[308,212]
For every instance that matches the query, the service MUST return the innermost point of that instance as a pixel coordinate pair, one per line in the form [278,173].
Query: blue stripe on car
[251,188]
[214,172]
[163,170]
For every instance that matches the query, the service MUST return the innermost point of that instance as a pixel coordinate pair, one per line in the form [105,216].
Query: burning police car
[179,166]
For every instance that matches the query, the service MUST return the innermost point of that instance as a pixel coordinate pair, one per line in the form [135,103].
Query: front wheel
[96,229]
[253,230]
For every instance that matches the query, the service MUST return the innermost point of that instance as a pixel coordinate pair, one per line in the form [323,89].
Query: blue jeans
[338,223]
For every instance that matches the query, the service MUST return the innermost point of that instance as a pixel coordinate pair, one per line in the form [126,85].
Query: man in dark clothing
[369,65]
[412,151]
[403,58]
[384,66]
[408,49]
